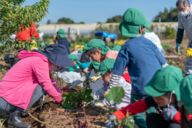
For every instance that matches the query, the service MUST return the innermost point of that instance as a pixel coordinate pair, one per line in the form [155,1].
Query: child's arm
[135,108]
[177,117]
[119,66]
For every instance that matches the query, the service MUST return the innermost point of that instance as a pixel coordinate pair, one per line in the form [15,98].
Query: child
[105,70]
[164,94]
[110,40]
[60,39]
[186,98]
[73,75]
[139,55]
[98,51]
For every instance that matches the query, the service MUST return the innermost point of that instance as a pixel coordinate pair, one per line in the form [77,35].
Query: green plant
[72,100]
[166,46]
[115,95]
[169,33]
[128,122]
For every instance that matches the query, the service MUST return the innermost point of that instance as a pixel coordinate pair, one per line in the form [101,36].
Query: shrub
[169,33]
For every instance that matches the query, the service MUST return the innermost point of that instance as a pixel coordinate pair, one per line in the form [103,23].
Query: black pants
[155,120]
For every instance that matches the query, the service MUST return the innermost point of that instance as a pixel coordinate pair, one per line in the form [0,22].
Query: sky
[93,11]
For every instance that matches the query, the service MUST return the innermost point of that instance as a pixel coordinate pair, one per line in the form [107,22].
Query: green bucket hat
[186,92]
[165,80]
[106,66]
[61,33]
[96,43]
[133,19]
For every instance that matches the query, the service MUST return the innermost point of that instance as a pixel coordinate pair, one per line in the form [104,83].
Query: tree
[13,15]
[167,15]
[65,20]
[81,22]
[114,19]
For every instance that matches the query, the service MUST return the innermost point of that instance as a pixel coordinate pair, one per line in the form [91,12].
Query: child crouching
[105,70]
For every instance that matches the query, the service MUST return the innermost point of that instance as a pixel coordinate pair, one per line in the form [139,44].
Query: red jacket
[141,106]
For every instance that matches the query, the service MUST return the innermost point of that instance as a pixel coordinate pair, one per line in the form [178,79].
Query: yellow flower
[33,42]
[189,52]
[79,47]
[120,42]
[33,45]
[33,48]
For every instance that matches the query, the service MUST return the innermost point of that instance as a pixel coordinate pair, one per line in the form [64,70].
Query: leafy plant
[166,46]
[169,33]
[72,100]
[128,122]
[115,95]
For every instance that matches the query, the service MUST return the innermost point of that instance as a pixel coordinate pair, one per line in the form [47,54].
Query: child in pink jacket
[24,84]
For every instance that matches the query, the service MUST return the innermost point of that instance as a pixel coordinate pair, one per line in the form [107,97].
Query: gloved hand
[177,48]
[112,122]
[95,78]
[169,113]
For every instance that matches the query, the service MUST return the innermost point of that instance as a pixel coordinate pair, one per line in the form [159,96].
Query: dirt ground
[54,116]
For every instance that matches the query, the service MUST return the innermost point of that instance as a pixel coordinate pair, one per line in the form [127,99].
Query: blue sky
[92,11]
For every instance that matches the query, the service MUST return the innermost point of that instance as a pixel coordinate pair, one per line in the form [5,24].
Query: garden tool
[42,100]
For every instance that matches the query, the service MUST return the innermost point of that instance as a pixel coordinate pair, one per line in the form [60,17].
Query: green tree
[166,16]
[65,20]
[13,15]
[114,19]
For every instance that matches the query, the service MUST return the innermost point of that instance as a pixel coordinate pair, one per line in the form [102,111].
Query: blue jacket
[142,58]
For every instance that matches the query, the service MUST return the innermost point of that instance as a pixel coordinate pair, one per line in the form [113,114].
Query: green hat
[186,92]
[61,33]
[73,57]
[133,19]
[116,48]
[95,65]
[96,43]
[165,80]
[106,65]
[148,26]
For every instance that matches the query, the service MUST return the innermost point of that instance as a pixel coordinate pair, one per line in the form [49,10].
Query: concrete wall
[82,29]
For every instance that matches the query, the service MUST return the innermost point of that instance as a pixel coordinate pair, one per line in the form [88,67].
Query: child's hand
[169,113]
[112,122]
[95,78]
[58,99]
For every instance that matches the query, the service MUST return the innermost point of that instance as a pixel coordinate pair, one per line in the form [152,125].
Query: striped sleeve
[114,80]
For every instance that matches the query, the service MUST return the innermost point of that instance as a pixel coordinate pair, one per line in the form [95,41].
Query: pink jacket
[20,82]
